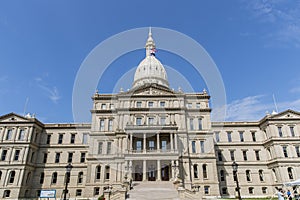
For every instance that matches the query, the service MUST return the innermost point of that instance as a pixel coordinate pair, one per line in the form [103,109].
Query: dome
[150,70]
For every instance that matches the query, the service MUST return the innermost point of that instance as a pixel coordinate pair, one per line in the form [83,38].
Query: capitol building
[147,135]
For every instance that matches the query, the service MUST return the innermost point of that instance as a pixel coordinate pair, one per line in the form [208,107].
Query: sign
[48,194]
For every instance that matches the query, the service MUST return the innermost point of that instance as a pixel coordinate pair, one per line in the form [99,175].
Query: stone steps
[153,190]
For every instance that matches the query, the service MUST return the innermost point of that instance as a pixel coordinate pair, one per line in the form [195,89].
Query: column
[157,142]
[130,170]
[2,133]
[130,148]
[120,145]
[158,170]
[171,141]
[175,141]
[144,143]
[144,170]
[15,134]
[172,169]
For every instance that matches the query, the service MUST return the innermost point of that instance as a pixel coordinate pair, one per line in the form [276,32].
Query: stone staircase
[153,191]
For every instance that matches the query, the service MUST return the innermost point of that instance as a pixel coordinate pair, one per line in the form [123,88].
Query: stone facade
[149,133]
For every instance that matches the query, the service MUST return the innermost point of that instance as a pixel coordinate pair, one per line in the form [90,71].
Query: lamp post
[68,174]
[235,169]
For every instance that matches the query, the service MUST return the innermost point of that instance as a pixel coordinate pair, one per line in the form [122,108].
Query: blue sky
[255,45]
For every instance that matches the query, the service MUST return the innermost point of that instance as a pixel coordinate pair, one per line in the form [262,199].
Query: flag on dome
[152,51]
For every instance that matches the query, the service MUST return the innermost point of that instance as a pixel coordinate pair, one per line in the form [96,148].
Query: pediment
[288,114]
[152,89]
[12,117]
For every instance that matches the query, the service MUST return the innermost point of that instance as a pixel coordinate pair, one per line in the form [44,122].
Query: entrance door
[138,174]
[151,173]
[165,170]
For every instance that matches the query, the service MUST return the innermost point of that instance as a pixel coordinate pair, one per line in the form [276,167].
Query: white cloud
[253,108]
[51,92]
[282,16]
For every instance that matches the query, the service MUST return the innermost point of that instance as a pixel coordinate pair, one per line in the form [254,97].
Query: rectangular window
[193,146]
[229,137]
[139,145]
[162,104]
[164,145]
[96,191]
[150,104]
[84,138]
[48,139]
[198,105]
[257,155]
[224,190]
[202,146]
[100,146]
[9,134]
[253,136]
[32,157]
[4,153]
[78,192]
[280,131]
[17,154]
[42,176]
[72,141]
[206,189]
[101,124]
[220,157]
[191,124]
[103,106]
[70,157]
[162,121]
[199,123]
[57,157]
[232,155]
[285,153]
[241,136]
[264,190]
[151,145]
[110,125]
[150,120]
[21,135]
[108,147]
[60,138]
[138,121]
[297,151]
[139,104]
[189,105]
[217,135]
[45,157]
[292,131]
[82,157]
[245,155]
[111,106]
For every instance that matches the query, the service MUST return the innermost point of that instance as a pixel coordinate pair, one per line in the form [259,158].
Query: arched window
[290,172]
[0,175]
[195,167]
[248,175]
[54,178]
[107,172]
[222,175]
[98,172]
[204,170]
[12,175]
[261,175]
[80,177]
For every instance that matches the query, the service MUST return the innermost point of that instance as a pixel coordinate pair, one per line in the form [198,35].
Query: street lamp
[235,169]
[68,175]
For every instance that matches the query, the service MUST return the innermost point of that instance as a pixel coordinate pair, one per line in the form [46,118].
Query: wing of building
[148,134]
